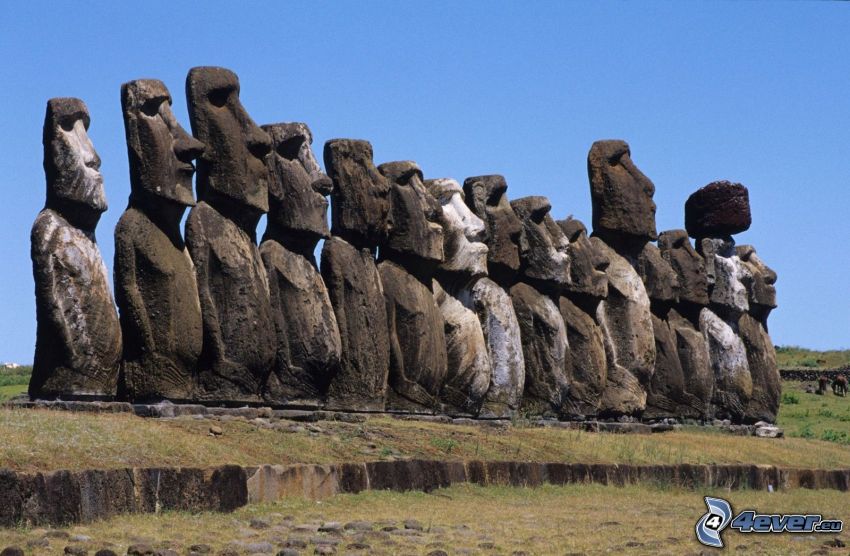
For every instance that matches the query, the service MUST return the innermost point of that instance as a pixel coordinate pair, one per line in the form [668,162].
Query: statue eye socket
[219,97]
[151,107]
[67,124]
[289,148]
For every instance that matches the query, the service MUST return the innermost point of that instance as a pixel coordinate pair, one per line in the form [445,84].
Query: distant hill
[795,356]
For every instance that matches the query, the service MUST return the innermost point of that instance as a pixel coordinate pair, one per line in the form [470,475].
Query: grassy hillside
[48,440]
[795,356]
[805,415]
[13,381]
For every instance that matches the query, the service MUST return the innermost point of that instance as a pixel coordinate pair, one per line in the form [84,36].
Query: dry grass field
[574,519]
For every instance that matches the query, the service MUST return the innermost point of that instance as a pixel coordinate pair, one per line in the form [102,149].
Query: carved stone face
[297,186]
[658,276]
[726,282]
[587,264]
[360,201]
[760,285]
[71,164]
[546,258]
[414,227]
[233,164]
[486,197]
[159,149]
[621,194]
[689,266]
[463,232]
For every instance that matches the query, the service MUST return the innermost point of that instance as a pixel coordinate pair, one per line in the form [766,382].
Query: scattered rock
[357,546]
[413,524]
[201,548]
[105,552]
[300,544]
[140,550]
[438,553]
[38,543]
[325,549]
[12,551]
[215,430]
[76,551]
[259,548]
[331,527]
[257,523]
[57,535]
[835,543]
[288,552]
[358,526]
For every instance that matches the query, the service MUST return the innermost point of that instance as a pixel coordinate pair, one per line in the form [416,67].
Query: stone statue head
[620,193]
[546,260]
[760,285]
[232,166]
[71,165]
[159,149]
[360,202]
[297,186]
[486,197]
[689,266]
[728,275]
[463,233]
[659,278]
[414,225]
[587,264]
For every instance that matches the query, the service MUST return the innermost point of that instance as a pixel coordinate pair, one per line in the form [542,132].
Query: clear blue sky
[754,92]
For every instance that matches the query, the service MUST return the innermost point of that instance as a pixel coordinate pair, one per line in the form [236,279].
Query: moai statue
[683,319]
[78,342]
[464,263]
[623,223]
[155,284]
[486,197]
[586,288]
[239,334]
[712,215]
[359,211]
[544,273]
[308,342]
[667,396]
[752,326]
[407,262]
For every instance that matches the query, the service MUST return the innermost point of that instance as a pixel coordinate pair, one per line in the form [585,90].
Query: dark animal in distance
[823,380]
[839,386]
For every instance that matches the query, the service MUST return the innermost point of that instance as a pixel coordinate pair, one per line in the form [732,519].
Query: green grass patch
[805,415]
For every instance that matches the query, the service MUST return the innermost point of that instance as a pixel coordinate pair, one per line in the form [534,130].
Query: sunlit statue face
[297,186]
[486,196]
[463,232]
[160,150]
[760,286]
[71,164]
[587,264]
[546,258]
[233,164]
[729,275]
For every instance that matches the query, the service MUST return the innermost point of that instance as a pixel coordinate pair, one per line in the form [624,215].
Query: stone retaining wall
[804,374]
[66,497]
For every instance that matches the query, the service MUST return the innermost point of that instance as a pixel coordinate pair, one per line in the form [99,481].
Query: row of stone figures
[432,296]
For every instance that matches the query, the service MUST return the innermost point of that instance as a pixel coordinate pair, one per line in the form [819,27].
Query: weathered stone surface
[733,383]
[468,369]
[415,235]
[697,373]
[78,339]
[752,326]
[408,258]
[720,208]
[155,284]
[486,197]
[761,361]
[239,335]
[729,275]
[357,297]
[501,331]
[418,360]
[626,323]
[545,272]
[545,350]
[464,251]
[688,265]
[360,199]
[587,264]
[759,281]
[308,341]
[464,262]
[621,194]
[587,372]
